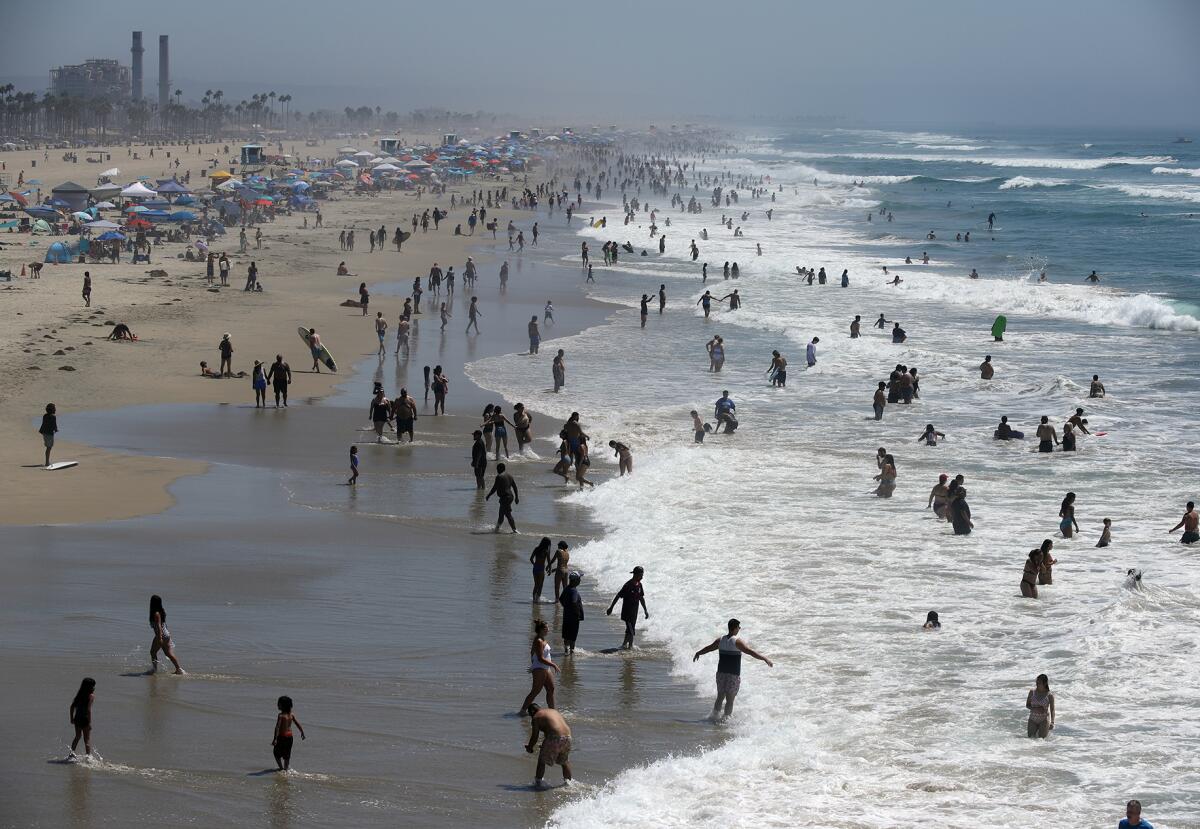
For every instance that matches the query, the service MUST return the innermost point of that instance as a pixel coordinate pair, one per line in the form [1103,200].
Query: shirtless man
[1092,277]
[556,742]
[735,300]
[1190,523]
[1047,435]
[985,368]
[505,489]
[1079,422]
[778,369]
[880,323]
[1097,388]
[856,327]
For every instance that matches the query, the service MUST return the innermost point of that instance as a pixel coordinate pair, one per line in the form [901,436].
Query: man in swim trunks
[279,376]
[725,411]
[856,327]
[505,489]
[1190,523]
[1046,435]
[556,742]
[729,666]
[1079,422]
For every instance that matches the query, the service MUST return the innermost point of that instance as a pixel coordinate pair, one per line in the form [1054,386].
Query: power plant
[137,51]
[164,73]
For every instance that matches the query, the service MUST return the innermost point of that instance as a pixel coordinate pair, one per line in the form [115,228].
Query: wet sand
[391,614]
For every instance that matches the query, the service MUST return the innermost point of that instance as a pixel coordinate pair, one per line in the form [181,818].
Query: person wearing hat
[572,604]
[729,667]
[631,595]
[226,349]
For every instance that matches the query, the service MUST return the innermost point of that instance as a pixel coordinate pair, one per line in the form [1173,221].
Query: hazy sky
[1053,62]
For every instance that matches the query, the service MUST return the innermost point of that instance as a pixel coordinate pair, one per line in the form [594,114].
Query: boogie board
[998,327]
[61,465]
[323,355]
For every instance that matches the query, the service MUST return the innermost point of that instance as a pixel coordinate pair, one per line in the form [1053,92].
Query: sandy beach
[395,591]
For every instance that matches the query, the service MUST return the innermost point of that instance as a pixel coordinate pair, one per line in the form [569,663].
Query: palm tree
[272,97]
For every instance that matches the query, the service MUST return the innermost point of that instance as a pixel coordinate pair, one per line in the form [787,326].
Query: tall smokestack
[137,51]
[164,73]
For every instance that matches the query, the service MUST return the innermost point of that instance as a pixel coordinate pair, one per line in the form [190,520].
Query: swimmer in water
[1092,277]
[1097,388]
[1068,525]
[930,435]
[1040,703]
[931,621]
[939,497]
[1190,523]
[986,371]
[1106,536]
[1046,435]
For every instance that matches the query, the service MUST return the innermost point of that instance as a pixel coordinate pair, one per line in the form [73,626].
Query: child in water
[1106,536]
[81,715]
[282,740]
[353,466]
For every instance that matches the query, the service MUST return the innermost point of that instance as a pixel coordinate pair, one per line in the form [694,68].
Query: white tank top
[541,663]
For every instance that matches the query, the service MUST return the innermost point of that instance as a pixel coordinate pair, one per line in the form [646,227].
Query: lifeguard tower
[253,156]
[389,146]
[449,139]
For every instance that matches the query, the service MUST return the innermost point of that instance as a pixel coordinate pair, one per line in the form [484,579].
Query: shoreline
[215,438]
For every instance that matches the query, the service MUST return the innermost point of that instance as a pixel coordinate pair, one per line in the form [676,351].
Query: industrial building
[94,78]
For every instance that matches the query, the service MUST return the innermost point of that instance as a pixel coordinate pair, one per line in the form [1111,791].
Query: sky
[901,62]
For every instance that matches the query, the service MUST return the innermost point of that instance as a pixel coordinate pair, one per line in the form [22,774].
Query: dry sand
[178,323]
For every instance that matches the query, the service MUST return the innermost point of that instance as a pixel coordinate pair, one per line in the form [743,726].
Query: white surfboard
[61,465]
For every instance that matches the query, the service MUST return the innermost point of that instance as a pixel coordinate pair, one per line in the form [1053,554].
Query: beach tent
[104,205]
[110,236]
[73,196]
[184,199]
[386,168]
[103,224]
[183,216]
[112,173]
[137,190]
[154,215]
[42,212]
[346,163]
[58,253]
[171,187]
[105,191]
[220,175]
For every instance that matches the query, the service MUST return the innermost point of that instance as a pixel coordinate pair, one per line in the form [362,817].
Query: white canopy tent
[137,190]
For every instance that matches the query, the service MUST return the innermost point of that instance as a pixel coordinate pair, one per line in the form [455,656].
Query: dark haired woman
[81,714]
[1040,703]
[162,636]
[1066,512]
[540,665]
[538,558]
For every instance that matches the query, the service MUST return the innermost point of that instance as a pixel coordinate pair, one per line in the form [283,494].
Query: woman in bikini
[538,559]
[1066,512]
[1029,576]
[81,714]
[560,562]
[541,666]
[501,424]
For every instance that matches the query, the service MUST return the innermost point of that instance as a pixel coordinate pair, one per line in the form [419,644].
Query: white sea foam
[864,719]
[1026,181]
[999,161]
[1177,171]
[1175,192]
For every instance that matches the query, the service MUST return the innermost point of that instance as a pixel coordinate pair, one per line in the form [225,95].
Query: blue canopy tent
[170,186]
[43,213]
[111,236]
[155,215]
[183,216]
[185,199]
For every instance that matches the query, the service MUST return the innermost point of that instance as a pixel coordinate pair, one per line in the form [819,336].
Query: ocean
[865,720]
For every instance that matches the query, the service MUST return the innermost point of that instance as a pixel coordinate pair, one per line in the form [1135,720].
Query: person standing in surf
[572,604]
[81,715]
[162,636]
[631,595]
[729,667]
[279,376]
[1040,703]
[539,559]
[541,666]
[1190,522]
[556,741]
[505,490]
[478,458]
[281,741]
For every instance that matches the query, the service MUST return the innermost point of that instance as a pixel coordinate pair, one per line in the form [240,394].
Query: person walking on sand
[381,333]
[478,459]
[162,636]
[281,740]
[314,345]
[403,327]
[1040,703]
[556,740]
[446,315]
[572,604]
[631,595]
[506,492]
[81,715]
[87,285]
[280,376]
[226,349]
[729,667]
[1190,521]
[258,382]
[559,370]
[541,667]
[49,429]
